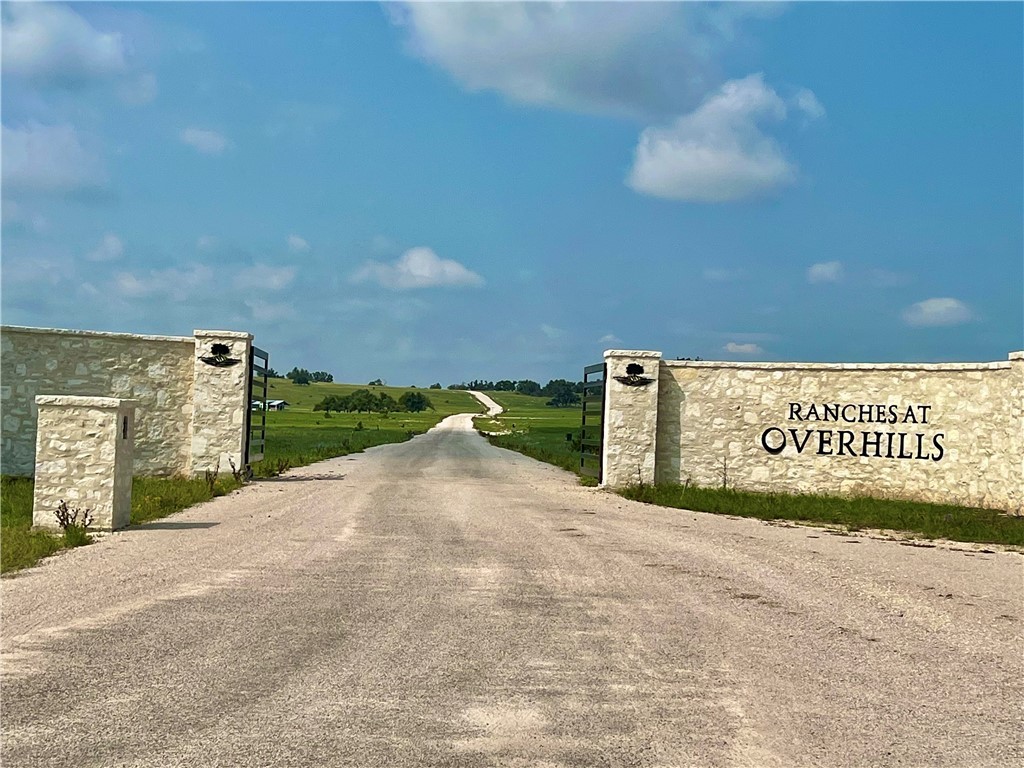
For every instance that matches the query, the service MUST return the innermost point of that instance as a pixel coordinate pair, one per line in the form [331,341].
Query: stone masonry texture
[159,372]
[221,402]
[84,458]
[751,426]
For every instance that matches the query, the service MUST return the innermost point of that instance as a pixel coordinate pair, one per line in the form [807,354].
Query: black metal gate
[256,428]
[592,427]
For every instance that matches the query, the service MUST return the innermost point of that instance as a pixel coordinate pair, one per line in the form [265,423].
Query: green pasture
[302,398]
[295,437]
[932,521]
[299,435]
[535,429]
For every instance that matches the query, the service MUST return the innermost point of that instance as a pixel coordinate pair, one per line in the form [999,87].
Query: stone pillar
[1017,393]
[630,417]
[220,400]
[84,448]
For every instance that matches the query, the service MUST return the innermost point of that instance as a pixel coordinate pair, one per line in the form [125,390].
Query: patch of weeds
[76,533]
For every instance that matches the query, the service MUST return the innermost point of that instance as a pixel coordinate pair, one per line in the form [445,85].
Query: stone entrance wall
[931,432]
[190,415]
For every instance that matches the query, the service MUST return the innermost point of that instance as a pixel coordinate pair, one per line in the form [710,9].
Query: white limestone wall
[221,401]
[957,430]
[84,458]
[630,418]
[156,371]
[192,392]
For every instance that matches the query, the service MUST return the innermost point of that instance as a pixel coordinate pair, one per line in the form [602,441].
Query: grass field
[539,431]
[536,430]
[299,435]
[295,437]
[934,521]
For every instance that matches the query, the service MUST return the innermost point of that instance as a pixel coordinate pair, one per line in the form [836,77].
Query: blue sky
[440,192]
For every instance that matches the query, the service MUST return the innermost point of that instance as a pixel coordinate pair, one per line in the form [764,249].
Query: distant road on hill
[445,602]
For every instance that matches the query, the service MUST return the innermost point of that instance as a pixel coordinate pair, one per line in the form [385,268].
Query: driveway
[444,602]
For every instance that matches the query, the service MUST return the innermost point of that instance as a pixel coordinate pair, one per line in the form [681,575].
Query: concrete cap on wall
[632,353]
[112,403]
[223,335]
[1017,355]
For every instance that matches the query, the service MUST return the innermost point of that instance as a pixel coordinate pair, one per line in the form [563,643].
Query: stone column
[220,400]
[84,458]
[1017,364]
[630,417]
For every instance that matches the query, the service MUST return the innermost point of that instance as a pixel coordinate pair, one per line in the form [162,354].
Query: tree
[300,376]
[561,392]
[435,386]
[330,403]
[564,398]
[527,387]
[414,402]
[376,383]
[386,403]
[322,376]
[362,400]
[272,374]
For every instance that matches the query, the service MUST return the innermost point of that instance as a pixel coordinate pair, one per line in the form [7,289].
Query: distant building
[272,405]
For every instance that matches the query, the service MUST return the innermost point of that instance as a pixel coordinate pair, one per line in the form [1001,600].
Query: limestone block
[708,413]
[84,448]
[220,400]
[100,364]
[630,417]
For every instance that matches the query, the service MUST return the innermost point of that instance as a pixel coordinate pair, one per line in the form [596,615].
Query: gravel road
[443,602]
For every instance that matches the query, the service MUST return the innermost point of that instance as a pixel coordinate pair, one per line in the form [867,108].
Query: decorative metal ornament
[633,380]
[634,376]
[218,357]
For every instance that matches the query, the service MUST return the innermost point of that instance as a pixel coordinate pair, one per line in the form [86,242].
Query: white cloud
[649,59]
[110,248]
[808,103]
[15,216]
[718,152]
[743,349]
[48,158]
[270,312]
[140,89]
[720,275]
[206,243]
[207,142]
[264,277]
[417,268]
[551,332]
[175,284]
[52,45]
[937,312]
[609,338]
[297,244]
[825,272]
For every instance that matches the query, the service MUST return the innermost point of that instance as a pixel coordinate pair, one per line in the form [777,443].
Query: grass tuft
[933,521]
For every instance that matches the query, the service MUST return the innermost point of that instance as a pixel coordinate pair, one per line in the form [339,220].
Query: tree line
[561,392]
[302,376]
[363,400]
